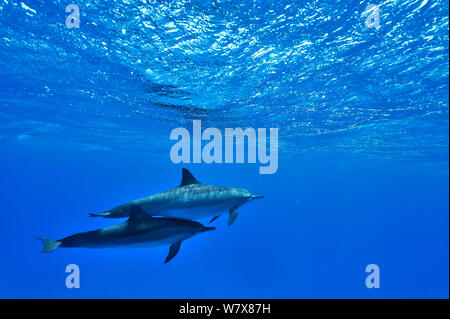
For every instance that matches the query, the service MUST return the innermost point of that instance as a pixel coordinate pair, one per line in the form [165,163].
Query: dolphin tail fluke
[233,216]
[49,244]
[173,251]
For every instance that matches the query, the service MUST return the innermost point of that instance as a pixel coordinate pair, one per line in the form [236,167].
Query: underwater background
[362,117]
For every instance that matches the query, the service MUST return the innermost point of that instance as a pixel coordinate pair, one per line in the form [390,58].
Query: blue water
[362,113]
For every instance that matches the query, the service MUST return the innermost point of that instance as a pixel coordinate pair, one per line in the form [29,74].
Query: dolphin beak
[207,229]
[256,196]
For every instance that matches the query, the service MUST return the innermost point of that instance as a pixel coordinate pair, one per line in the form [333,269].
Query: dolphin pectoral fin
[214,218]
[173,251]
[233,216]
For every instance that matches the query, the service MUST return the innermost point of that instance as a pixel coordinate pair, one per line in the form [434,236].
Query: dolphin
[140,230]
[190,200]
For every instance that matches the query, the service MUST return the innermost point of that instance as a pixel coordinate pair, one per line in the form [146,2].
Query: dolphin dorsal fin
[136,213]
[187,178]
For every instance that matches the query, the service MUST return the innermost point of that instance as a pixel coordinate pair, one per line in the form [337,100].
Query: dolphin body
[140,230]
[190,200]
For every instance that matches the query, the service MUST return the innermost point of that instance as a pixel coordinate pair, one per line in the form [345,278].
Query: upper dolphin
[140,230]
[190,200]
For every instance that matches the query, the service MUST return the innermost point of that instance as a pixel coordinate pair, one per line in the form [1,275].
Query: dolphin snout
[256,196]
[207,229]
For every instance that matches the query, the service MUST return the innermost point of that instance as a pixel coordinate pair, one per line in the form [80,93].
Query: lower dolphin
[140,230]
